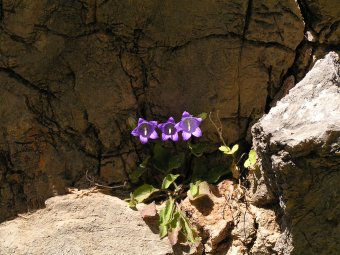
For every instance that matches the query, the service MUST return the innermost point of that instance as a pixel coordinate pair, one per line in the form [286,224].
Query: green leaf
[176,161]
[175,220]
[225,149]
[188,232]
[234,149]
[168,180]
[252,156]
[203,189]
[160,158]
[166,214]
[132,201]
[217,172]
[199,169]
[163,231]
[142,193]
[132,122]
[139,171]
[202,171]
[194,189]
[174,228]
[203,115]
[198,149]
[251,159]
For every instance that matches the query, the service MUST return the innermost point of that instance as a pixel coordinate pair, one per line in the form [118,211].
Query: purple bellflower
[189,125]
[169,130]
[145,130]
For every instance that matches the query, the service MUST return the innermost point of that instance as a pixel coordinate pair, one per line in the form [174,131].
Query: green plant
[172,171]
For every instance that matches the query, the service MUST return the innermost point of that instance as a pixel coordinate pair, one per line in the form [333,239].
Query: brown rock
[71,73]
[267,231]
[323,19]
[212,215]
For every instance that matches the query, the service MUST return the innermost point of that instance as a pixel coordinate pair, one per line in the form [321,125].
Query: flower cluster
[189,125]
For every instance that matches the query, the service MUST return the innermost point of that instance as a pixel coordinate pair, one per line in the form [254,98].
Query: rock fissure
[75,71]
[14,75]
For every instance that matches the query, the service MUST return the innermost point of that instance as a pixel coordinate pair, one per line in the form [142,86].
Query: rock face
[72,72]
[298,144]
[322,33]
[83,223]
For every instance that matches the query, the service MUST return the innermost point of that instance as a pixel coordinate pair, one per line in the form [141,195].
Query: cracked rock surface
[298,143]
[72,72]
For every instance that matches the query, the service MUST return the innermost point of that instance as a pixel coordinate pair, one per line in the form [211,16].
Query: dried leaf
[173,236]
[132,123]
[235,170]
[147,210]
[238,192]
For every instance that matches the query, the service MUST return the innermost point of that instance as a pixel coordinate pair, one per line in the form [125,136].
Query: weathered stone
[267,231]
[81,223]
[211,215]
[244,231]
[298,143]
[322,34]
[71,73]
[323,18]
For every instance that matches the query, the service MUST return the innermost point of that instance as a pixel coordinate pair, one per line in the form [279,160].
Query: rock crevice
[71,73]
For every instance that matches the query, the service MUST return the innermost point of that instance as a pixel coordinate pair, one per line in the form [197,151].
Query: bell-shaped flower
[169,130]
[189,125]
[145,130]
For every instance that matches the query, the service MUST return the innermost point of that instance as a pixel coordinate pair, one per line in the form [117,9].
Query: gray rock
[82,223]
[298,144]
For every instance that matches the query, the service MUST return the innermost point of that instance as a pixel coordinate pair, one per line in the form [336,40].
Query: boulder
[81,223]
[298,145]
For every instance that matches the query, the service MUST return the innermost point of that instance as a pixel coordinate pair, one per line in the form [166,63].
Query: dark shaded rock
[322,34]
[323,19]
[298,144]
[72,72]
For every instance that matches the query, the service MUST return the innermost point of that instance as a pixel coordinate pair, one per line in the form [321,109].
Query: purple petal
[185,114]
[160,126]
[174,137]
[153,123]
[143,139]
[186,135]
[154,135]
[197,132]
[135,132]
[171,120]
[165,137]
[199,119]
[140,120]
[178,127]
